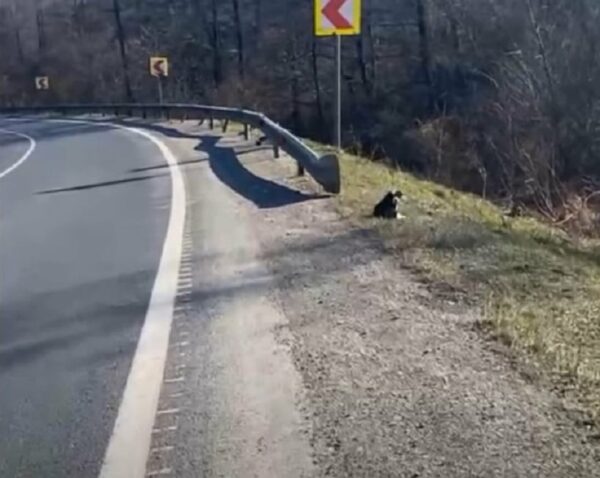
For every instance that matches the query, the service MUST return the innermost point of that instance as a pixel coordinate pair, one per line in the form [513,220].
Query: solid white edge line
[129,445]
[23,158]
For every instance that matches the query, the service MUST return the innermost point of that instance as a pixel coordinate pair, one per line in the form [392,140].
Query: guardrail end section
[330,176]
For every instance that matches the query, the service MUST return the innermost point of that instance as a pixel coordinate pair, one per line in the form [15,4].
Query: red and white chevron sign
[337,17]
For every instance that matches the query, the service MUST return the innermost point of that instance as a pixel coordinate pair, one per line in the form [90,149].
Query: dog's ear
[398,194]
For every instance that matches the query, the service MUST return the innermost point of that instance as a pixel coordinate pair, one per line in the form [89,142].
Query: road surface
[95,269]
[174,304]
[81,237]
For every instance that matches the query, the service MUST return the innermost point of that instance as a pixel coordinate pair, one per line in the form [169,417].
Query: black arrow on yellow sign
[159,66]
[42,83]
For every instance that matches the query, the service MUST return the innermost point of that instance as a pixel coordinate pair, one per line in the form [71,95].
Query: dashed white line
[169,411]
[181,344]
[174,380]
[157,431]
[163,472]
[162,449]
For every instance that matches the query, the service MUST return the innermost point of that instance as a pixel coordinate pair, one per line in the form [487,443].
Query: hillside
[537,289]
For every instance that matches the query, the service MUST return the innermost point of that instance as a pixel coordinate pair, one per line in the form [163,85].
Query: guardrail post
[300,170]
[225,125]
[276,151]
[246,132]
[168,114]
[144,113]
[211,123]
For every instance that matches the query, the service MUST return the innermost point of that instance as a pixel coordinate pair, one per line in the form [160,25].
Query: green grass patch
[538,288]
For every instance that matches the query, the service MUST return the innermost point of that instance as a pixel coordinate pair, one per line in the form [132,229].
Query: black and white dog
[389,206]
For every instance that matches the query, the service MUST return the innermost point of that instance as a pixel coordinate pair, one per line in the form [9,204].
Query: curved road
[81,237]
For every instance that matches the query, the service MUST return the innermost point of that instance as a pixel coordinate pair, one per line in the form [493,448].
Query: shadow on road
[166,166]
[264,193]
[116,182]
[225,164]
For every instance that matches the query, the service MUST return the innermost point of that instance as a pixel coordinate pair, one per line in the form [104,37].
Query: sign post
[159,68]
[337,18]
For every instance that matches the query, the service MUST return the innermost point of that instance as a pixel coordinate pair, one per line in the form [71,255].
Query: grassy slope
[539,290]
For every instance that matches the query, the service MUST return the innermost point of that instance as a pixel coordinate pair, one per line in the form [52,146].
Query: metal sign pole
[338,94]
[160,89]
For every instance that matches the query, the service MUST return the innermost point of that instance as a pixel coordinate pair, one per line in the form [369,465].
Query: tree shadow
[115,182]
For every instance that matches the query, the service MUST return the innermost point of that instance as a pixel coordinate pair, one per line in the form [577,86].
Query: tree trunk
[19,43]
[315,74]
[257,22]
[216,44]
[362,66]
[239,38]
[373,55]
[39,20]
[425,52]
[122,50]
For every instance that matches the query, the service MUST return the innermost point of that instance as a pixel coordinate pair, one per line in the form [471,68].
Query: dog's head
[395,197]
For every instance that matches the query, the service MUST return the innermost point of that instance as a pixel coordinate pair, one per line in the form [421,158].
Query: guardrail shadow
[227,167]
[225,163]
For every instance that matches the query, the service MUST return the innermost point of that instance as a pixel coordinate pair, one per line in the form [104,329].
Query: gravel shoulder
[398,383]
[387,380]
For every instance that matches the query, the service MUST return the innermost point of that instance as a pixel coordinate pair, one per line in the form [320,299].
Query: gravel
[398,384]
[389,381]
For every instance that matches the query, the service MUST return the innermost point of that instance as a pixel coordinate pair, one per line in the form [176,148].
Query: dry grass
[539,290]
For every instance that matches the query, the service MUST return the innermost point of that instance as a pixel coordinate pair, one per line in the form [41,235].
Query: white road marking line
[181,344]
[174,380]
[176,395]
[169,411]
[163,472]
[129,445]
[22,159]
[157,431]
[162,449]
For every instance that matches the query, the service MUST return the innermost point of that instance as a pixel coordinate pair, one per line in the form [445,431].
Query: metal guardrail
[324,169]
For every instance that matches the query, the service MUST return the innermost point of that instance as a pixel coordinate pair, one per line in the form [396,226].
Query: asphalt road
[82,226]
[178,305]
